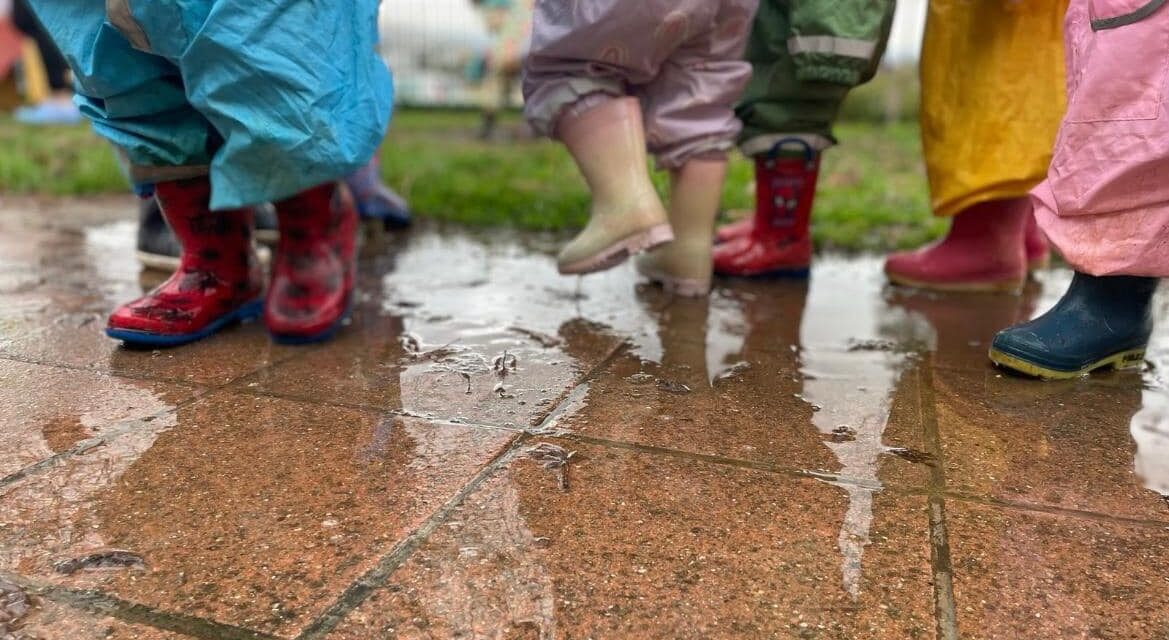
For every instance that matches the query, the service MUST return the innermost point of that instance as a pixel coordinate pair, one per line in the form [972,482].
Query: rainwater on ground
[489,450]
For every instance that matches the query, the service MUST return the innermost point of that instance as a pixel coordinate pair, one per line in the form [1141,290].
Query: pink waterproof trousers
[1105,203]
[681,58]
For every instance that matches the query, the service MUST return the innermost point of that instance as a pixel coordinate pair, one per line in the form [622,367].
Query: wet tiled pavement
[491,451]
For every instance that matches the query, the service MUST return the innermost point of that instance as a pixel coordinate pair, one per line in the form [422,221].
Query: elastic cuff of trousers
[668,160]
[832,74]
[545,108]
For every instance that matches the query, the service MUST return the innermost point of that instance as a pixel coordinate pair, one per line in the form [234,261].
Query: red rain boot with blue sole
[777,241]
[218,281]
[1101,322]
[315,267]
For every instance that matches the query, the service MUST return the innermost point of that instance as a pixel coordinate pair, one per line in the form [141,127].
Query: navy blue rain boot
[1100,322]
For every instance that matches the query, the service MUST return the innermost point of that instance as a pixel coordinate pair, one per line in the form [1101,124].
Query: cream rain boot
[627,216]
[684,266]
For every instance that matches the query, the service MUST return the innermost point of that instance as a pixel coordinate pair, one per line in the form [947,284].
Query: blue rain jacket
[268,97]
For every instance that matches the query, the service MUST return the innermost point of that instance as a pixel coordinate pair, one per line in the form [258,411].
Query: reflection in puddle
[850,372]
[1150,430]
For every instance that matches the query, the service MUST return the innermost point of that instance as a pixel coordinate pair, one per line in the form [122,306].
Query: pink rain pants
[681,58]
[1105,203]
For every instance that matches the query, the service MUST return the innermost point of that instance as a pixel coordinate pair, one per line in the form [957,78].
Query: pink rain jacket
[1105,203]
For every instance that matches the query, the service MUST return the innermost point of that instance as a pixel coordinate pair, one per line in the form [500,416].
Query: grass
[872,194]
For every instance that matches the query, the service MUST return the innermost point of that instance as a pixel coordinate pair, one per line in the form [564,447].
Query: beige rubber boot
[684,266]
[627,216]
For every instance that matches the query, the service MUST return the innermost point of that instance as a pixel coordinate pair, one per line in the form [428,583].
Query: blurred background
[458,148]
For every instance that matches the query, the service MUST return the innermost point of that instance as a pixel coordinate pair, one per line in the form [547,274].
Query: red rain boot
[218,280]
[777,241]
[982,252]
[733,230]
[313,273]
[1037,246]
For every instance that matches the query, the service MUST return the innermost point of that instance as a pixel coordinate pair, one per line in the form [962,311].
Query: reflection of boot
[1099,322]
[777,241]
[218,279]
[983,251]
[315,266]
[608,143]
[684,265]
[682,331]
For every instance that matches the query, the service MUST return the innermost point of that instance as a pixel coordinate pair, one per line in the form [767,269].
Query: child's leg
[691,124]
[806,56]
[138,102]
[1105,203]
[575,85]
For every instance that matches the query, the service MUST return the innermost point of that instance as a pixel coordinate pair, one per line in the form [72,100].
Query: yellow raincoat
[992,75]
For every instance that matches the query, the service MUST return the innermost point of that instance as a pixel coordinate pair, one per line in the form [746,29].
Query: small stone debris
[543,339]
[14,606]
[553,457]
[913,455]
[732,372]
[671,386]
[843,433]
[101,560]
[641,378]
[871,345]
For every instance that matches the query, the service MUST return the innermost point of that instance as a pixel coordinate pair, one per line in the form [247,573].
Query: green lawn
[872,195]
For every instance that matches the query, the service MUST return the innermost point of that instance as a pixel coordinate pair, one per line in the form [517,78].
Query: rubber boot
[683,267]
[984,251]
[1100,322]
[157,246]
[1038,249]
[313,273]
[733,230]
[158,249]
[779,242]
[375,200]
[218,281]
[627,217]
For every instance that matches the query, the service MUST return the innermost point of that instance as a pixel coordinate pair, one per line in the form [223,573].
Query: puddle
[1150,431]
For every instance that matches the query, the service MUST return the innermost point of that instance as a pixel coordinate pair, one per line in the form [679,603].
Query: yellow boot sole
[1122,360]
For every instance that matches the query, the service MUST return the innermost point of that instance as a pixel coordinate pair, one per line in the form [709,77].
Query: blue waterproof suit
[268,97]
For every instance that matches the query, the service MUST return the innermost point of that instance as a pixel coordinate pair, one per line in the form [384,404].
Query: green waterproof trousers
[806,56]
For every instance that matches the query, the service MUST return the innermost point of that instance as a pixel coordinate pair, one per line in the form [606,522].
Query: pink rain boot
[982,252]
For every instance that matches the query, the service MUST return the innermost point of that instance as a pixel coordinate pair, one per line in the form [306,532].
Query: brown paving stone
[1063,444]
[47,410]
[52,621]
[1022,574]
[255,512]
[695,550]
[760,404]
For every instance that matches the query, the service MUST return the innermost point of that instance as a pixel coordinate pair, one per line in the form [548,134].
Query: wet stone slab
[696,550]
[1060,444]
[821,385]
[495,337]
[1023,574]
[48,411]
[252,512]
[48,620]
